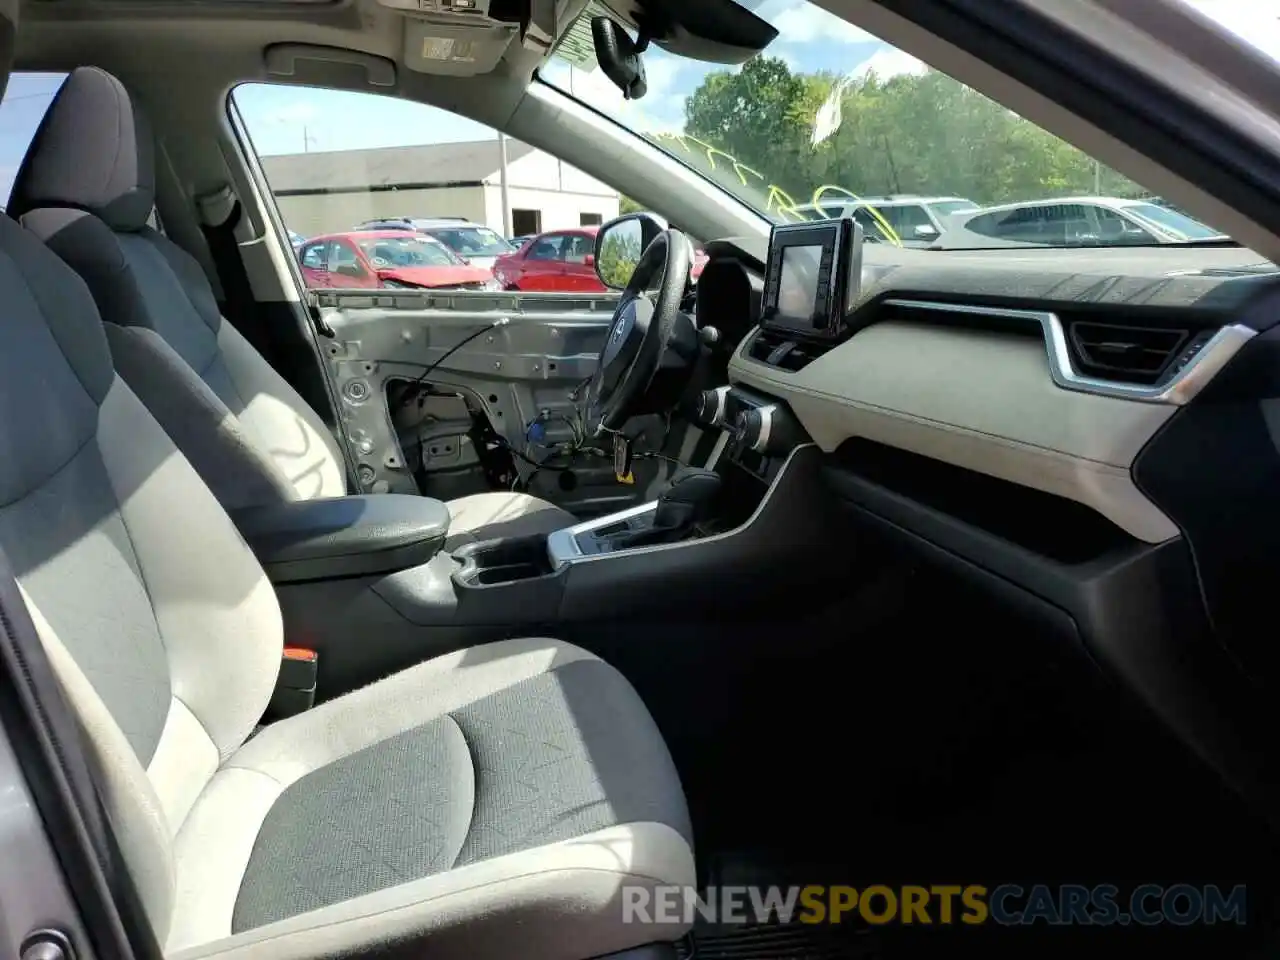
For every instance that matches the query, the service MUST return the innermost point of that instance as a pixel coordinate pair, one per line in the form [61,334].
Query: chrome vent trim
[1179,389]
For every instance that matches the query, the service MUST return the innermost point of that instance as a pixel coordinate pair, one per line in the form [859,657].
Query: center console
[756,435]
[743,533]
[723,540]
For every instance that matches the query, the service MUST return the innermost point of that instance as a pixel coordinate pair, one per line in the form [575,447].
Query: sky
[290,119]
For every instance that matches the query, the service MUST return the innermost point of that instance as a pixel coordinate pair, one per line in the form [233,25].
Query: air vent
[783,351]
[1140,355]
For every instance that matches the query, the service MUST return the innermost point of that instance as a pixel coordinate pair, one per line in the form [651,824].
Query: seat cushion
[488,516]
[503,791]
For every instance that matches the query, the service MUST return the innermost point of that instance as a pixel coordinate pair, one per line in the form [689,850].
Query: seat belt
[221,218]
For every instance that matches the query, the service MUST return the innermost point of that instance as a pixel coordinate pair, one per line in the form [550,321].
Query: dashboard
[1092,435]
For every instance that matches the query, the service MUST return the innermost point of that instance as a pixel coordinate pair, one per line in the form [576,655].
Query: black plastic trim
[1214,469]
[1138,615]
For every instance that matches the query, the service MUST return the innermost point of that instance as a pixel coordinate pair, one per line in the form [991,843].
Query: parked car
[388,258]
[296,239]
[1076,221]
[560,260]
[915,221]
[474,242]
[519,242]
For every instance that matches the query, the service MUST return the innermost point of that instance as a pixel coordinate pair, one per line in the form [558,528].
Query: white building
[332,191]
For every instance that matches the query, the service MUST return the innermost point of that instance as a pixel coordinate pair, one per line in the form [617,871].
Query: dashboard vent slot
[1139,355]
[780,350]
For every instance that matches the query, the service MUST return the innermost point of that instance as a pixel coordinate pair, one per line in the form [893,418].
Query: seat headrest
[93,151]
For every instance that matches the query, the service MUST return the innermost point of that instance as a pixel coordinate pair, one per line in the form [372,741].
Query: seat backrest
[158,621]
[87,189]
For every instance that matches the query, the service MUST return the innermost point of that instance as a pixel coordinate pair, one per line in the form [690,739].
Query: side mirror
[619,244]
[926,231]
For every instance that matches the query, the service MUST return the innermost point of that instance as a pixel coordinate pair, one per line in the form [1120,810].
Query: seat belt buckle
[296,683]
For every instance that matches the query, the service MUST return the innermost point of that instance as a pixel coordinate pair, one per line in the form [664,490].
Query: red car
[388,258]
[560,260]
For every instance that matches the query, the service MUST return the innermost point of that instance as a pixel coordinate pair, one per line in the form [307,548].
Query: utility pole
[1097,178]
[502,181]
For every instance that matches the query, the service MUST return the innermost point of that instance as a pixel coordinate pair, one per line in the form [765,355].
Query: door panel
[544,265]
[314,260]
[580,276]
[511,375]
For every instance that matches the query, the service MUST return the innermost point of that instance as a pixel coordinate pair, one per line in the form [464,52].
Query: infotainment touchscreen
[812,278]
[798,285]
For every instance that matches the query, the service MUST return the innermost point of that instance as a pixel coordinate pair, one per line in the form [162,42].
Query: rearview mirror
[619,244]
[619,57]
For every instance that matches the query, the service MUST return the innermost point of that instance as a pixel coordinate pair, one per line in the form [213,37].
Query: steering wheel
[641,329]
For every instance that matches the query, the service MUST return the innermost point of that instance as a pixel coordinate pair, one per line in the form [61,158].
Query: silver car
[1076,222]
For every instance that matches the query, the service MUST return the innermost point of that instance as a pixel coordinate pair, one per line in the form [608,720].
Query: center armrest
[344,536]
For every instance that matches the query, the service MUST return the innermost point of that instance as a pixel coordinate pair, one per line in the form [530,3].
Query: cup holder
[496,562]
[488,576]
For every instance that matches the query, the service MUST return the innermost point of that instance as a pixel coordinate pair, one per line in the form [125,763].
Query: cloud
[806,23]
[660,110]
[890,62]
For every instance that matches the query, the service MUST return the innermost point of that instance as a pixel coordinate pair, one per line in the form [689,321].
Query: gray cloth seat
[493,802]
[87,189]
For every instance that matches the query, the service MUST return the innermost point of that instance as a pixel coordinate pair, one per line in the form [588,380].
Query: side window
[578,248]
[26,101]
[871,226]
[1113,228]
[548,248]
[342,258]
[334,160]
[908,218]
[988,225]
[314,256]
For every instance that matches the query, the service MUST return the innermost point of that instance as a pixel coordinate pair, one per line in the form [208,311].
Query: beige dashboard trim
[978,399]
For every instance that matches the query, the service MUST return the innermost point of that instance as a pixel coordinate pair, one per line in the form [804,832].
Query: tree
[757,114]
[619,255]
[927,134]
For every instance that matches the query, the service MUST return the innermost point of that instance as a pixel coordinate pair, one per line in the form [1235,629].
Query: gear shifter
[687,500]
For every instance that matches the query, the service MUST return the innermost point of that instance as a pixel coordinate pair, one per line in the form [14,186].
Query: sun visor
[469,37]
